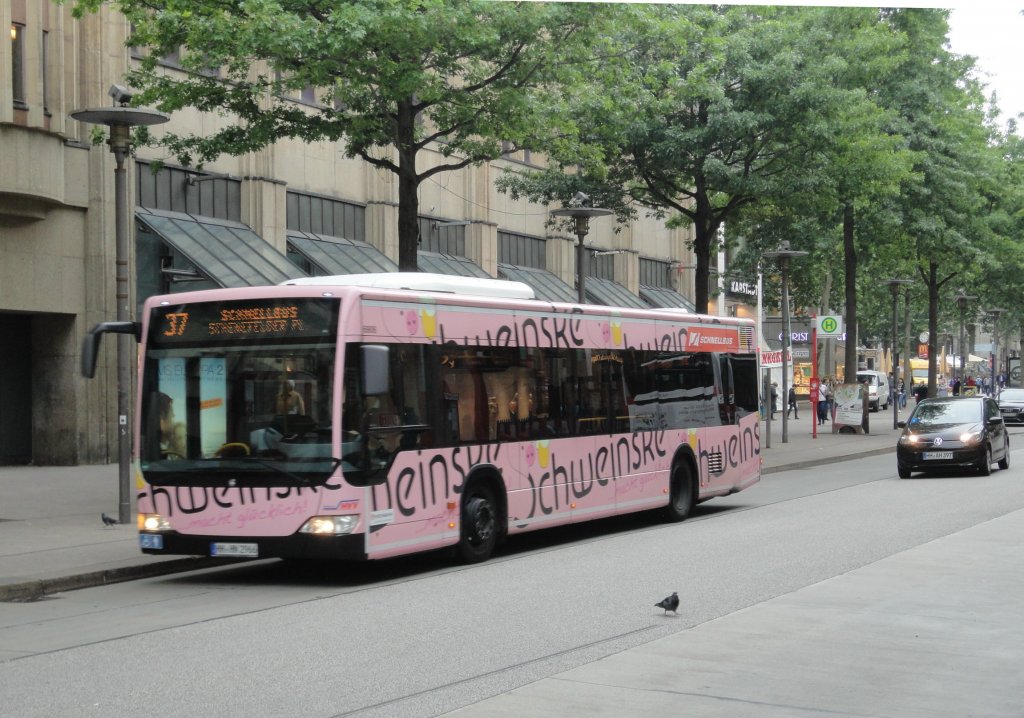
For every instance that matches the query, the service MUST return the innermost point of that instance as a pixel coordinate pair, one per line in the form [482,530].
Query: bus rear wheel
[682,493]
[480,525]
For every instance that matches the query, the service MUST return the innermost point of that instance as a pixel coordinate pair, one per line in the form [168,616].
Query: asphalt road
[420,637]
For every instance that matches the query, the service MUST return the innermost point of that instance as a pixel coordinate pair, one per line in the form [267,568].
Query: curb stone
[38,589]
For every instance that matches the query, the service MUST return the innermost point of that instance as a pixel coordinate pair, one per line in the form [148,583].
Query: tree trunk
[850,264]
[908,379]
[933,324]
[408,195]
[704,239]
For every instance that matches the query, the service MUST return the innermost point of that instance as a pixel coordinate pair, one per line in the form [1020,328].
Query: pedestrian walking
[775,398]
[792,403]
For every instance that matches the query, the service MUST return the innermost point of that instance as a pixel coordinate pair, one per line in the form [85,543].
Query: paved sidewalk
[930,632]
[52,538]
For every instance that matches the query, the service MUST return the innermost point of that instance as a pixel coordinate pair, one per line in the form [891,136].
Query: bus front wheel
[479,532]
[682,494]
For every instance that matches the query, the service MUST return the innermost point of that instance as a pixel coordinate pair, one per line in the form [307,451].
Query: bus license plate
[245,550]
[151,541]
[938,455]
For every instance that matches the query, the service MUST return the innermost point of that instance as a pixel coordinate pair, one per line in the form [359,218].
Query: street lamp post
[120,119]
[995,312]
[783,254]
[961,302]
[581,220]
[894,287]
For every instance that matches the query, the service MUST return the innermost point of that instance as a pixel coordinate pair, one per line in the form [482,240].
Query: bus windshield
[239,395]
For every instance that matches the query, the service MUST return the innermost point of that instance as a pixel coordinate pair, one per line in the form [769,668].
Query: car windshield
[869,379]
[1012,395]
[946,412]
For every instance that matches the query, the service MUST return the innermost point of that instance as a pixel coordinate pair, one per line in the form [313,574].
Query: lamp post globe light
[961,302]
[783,254]
[894,287]
[996,312]
[581,225]
[120,119]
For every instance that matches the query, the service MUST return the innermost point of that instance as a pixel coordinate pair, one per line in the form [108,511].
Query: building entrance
[15,389]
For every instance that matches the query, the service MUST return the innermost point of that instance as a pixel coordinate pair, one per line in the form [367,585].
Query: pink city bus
[369,416]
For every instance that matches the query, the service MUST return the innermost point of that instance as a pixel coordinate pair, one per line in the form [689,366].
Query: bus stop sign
[830,326]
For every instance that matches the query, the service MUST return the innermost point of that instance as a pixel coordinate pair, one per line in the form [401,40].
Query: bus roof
[423,282]
[447,289]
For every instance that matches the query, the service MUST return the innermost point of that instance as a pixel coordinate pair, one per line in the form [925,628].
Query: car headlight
[153,522]
[909,439]
[970,437]
[330,525]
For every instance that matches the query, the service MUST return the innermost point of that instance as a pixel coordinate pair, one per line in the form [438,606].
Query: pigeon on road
[108,520]
[669,604]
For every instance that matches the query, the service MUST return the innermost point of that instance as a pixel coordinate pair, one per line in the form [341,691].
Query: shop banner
[772,359]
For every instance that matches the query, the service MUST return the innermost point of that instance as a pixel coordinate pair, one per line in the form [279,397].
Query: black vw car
[960,432]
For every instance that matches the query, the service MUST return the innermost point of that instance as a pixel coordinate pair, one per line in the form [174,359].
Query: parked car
[878,388]
[1011,405]
[953,432]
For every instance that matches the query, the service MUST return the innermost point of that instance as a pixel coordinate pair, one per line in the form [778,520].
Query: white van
[878,388]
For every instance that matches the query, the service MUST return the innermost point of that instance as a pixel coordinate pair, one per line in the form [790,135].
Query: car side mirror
[901,424]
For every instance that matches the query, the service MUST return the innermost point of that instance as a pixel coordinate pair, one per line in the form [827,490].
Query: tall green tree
[857,165]
[396,76]
[715,109]
[940,111]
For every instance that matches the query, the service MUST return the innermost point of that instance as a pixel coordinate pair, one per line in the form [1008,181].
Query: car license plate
[938,455]
[246,550]
[151,541]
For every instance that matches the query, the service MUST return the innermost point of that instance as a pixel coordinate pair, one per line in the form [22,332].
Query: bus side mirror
[91,343]
[375,364]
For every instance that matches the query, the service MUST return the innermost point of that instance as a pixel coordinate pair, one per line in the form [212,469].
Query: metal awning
[449,264]
[545,285]
[611,294]
[336,255]
[227,252]
[664,298]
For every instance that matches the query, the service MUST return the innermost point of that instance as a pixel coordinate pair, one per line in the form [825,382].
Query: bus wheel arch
[482,515]
[683,486]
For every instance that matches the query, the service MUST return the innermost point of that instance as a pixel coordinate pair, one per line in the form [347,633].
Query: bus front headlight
[330,525]
[153,522]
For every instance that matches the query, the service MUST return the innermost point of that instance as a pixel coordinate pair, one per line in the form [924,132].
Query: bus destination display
[210,322]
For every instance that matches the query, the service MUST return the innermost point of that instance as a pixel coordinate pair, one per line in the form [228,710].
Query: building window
[521,250]
[46,70]
[446,237]
[18,64]
[323,215]
[173,58]
[655,273]
[602,266]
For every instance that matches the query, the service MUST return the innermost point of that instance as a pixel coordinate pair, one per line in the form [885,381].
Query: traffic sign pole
[814,378]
